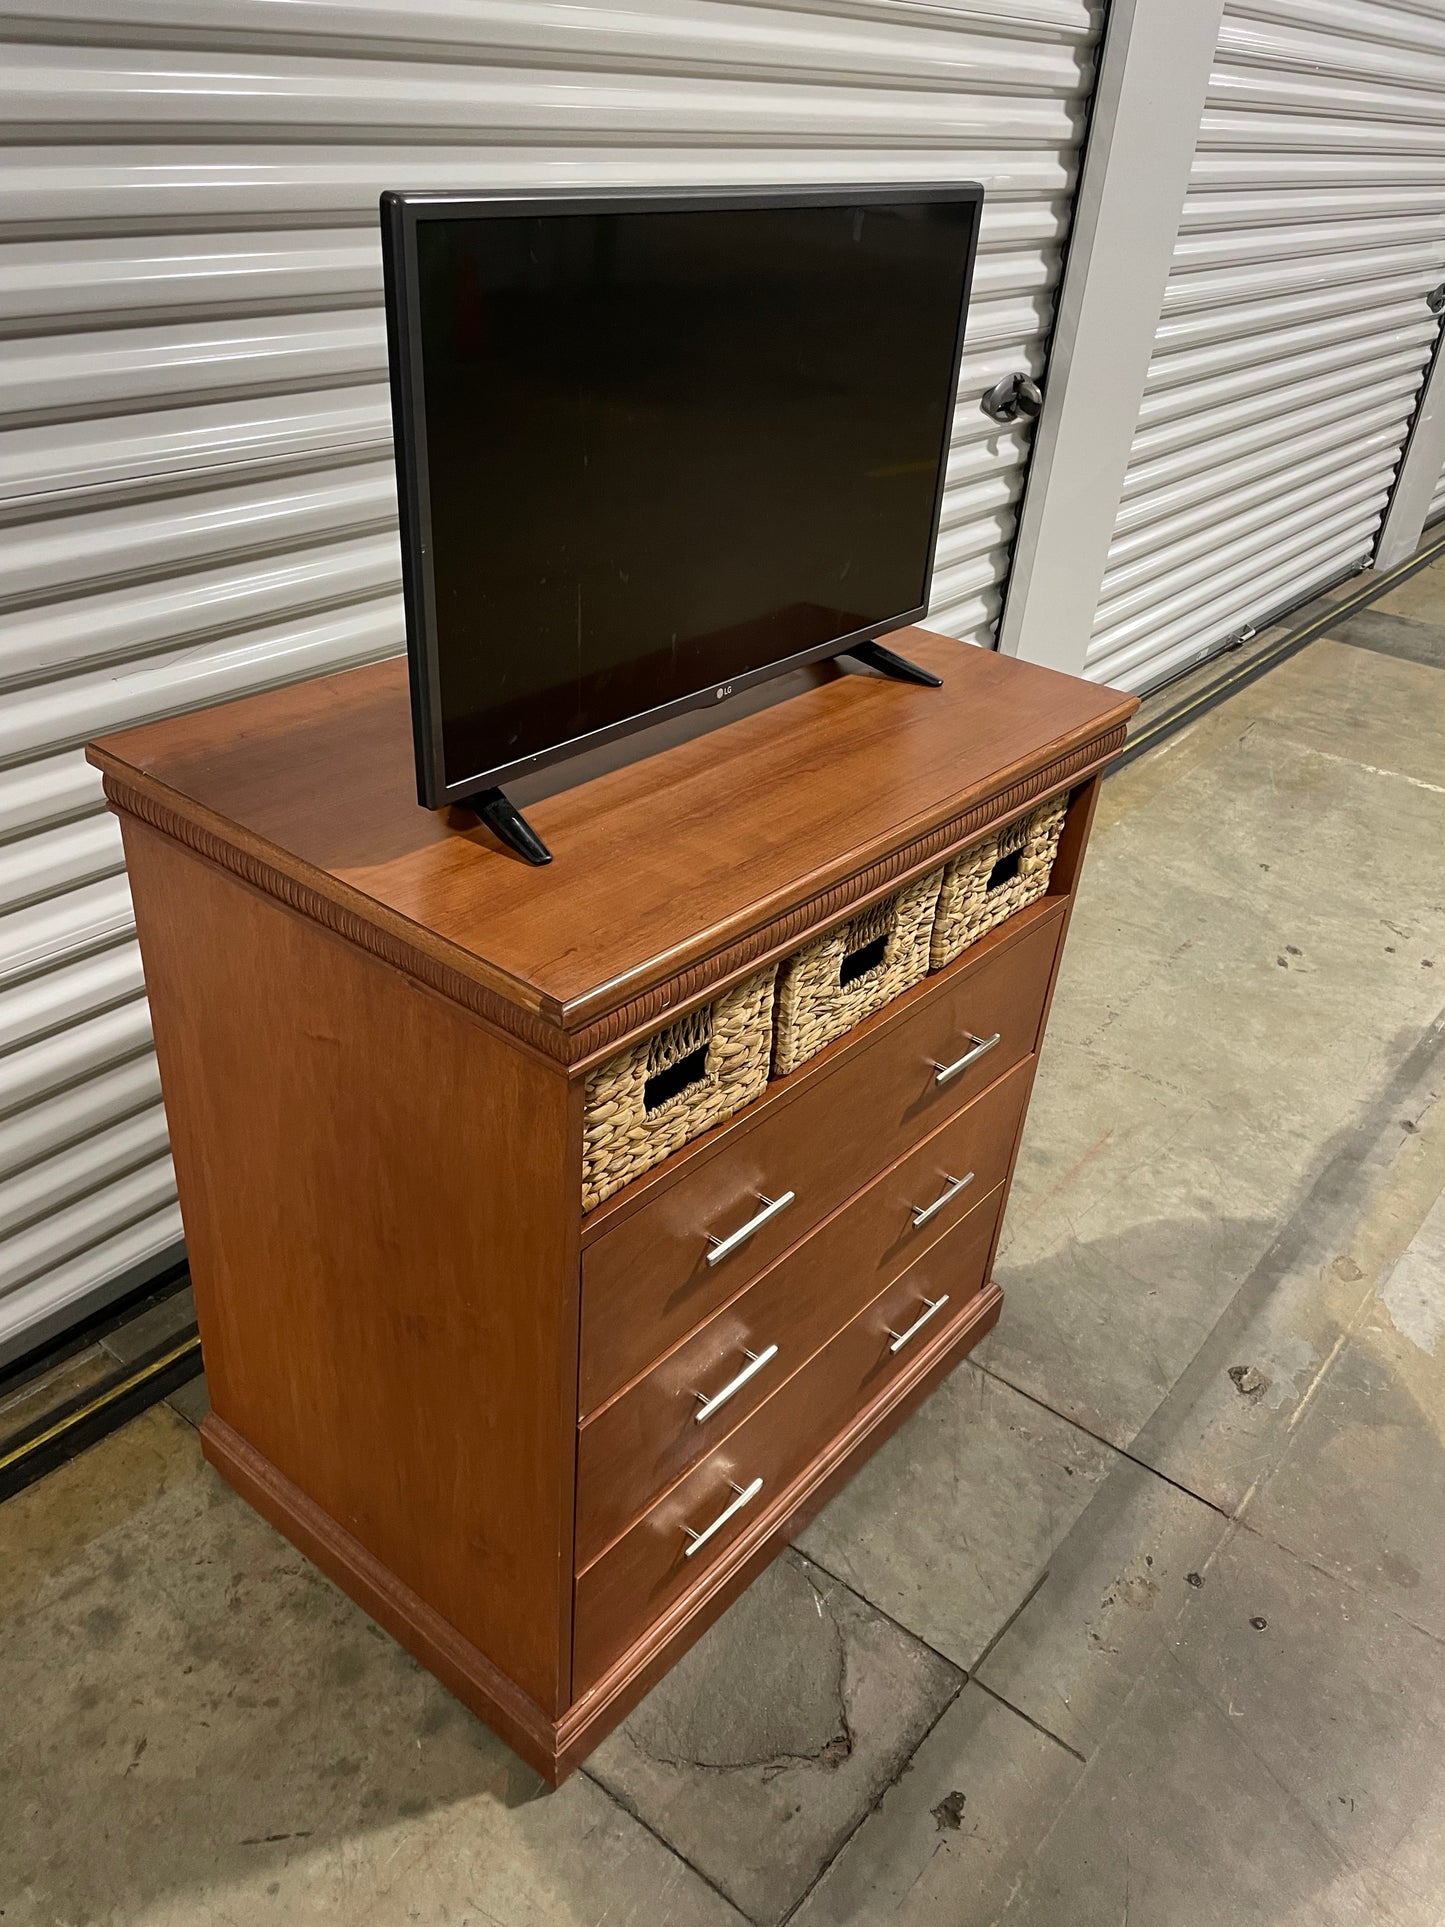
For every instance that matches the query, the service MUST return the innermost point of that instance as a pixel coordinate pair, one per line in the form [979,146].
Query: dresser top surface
[666,847]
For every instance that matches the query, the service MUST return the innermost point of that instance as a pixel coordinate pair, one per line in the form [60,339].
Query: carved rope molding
[379,941]
[705,977]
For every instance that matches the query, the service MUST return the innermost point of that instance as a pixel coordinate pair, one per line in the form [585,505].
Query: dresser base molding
[555,1747]
[455,1661]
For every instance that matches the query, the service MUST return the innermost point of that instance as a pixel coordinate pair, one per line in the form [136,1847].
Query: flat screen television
[655,447]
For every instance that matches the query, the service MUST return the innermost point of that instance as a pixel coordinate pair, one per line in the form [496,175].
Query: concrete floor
[1140,1621]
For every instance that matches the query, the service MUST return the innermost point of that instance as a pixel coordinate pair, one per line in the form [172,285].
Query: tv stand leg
[888,663]
[506,821]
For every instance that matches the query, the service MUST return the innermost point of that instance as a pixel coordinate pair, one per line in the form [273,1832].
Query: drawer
[673,1546]
[654,1277]
[647,1437]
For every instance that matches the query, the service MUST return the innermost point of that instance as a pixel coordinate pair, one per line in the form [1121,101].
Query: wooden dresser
[492,1418]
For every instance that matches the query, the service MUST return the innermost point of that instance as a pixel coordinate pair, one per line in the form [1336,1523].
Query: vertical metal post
[1418,473]
[1154,75]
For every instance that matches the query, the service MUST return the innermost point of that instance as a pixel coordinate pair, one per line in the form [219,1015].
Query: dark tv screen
[649,451]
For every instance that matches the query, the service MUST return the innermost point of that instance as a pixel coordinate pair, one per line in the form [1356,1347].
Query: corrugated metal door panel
[195,436]
[1234,395]
[1199,532]
[63,927]
[1251,595]
[58,998]
[647,35]
[68,1056]
[1304,51]
[145,540]
[66,1292]
[1282,172]
[1407,23]
[1294,333]
[1154,469]
[1268,396]
[1316,240]
[36,795]
[1177,486]
[1322,203]
[1142,587]
[56,859]
[58,464]
[1317,280]
[98,1212]
[1169,599]
[48,1184]
[78,1111]
[208,185]
[1220,353]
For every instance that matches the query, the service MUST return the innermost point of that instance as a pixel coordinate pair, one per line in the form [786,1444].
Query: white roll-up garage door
[1295,332]
[195,436]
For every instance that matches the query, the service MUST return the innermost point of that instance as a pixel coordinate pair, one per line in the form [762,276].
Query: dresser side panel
[381,1211]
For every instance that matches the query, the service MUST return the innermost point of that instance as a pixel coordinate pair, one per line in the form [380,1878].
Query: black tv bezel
[401,211]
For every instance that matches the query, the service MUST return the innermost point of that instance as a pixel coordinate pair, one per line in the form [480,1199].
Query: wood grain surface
[661,862]
[631,1450]
[379,1202]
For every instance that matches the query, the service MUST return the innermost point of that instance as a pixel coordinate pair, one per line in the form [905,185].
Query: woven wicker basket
[838,979]
[665,1089]
[994,878]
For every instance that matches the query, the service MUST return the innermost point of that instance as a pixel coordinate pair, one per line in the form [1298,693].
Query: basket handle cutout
[857,963]
[666,1084]
[1005,870]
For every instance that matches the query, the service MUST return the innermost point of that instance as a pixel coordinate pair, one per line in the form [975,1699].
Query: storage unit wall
[195,446]
[1296,329]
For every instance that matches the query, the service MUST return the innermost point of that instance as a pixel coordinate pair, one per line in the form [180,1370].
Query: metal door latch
[1013,397]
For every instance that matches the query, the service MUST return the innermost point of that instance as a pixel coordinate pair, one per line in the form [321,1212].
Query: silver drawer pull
[900,1339]
[724,1247]
[923,1212]
[980,1045]
[746,1495]
[756,1362]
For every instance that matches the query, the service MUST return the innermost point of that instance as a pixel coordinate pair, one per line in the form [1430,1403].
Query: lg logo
[726,690]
